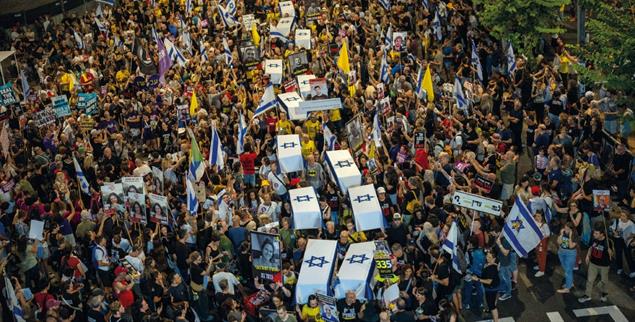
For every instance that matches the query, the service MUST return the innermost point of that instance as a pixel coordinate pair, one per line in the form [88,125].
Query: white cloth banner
[356,272]
[273,68]
[286,9]
[366,209]
[304,85]
[343,170]
[320,105]
[306,209]
[303,38]
[316,270]
[289,153]
[291,103]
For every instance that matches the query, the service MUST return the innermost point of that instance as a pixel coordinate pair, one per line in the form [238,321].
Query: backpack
[586,229]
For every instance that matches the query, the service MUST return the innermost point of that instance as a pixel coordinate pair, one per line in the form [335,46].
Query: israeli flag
[230,7]
[282,29]
[83,183]
[99,12]
[476,62]
[521,229]
[228,19]
[385,4]
[203,52]
[388,38]
[450,245]
[356,271]
[342,169]
[216,155]
[174,53]
[511,59]
[101,26]
[329,138]
[188,7]
[541,203]
[267,101]
[78,39]
[459,96]
[436,26]
[366,209]
[383,70]
[242,131]
[376,130]
[305,208]
[289,153]
[419,91]
[155,35]
[426,4]
[229,59]
[12,300]
[192,202]
[26,89]
[316,270]
[187,39]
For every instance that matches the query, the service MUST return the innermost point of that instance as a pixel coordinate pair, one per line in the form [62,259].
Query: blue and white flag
[242,131]
[12,300]
[383,70]
[192,202]
[388,37]
[188,7]
[385,4]
[78,39]
[26,90]
[426,4]
[316,270]
[229,59]
[476,62]
[187,39]
[230,7]
[228,19]
[155,36]
[174,53]
[521,230]
[101,26]
[329,138]
[99,12]
[436,26]
[83,183]
[203,52]
[376,130]
[459,95]
[450,245]
[357,271]
[267,102]
[511,59]
[108,2]
[419,91]
[216,155]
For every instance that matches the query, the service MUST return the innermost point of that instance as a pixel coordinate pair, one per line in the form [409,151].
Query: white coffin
[356,271]
[366,209]
[343,170]
[303,38]
[316,270]
[306,209]
[273,68]
[304,85]
[289,153]
[291,103]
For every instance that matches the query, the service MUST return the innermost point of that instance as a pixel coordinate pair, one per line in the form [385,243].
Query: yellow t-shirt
[285,126]
[312,128]
[308,148]
[313,313]
[334,115]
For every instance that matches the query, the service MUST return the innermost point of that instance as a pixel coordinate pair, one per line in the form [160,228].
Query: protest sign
[478,203]
[159,208]
[60,106]
[601,200]
[112,197]
[132,184]
[265,254]
[44,117]
[298,63]
[87,102]
[137,207]
[328,308]
[36,230]
[7,95]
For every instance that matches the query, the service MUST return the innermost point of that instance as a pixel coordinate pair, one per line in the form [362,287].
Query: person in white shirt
[220,275]
[278,181]
[134,260]
[623,231]
[269,207]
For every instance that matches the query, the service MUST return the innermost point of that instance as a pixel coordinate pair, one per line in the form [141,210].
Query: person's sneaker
[620,271]
[504,297]
[576,268]
[604,298]
[536,268]
[563,290]
[631,275]
[539,274]
[584,299]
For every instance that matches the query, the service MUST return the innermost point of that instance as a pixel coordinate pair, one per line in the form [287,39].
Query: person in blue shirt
[476,257]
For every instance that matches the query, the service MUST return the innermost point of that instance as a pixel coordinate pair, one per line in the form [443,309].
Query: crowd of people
[528,130]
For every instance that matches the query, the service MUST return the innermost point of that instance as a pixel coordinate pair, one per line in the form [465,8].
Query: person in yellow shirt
[312,126]
[308,146]
[311,310]
[283,126]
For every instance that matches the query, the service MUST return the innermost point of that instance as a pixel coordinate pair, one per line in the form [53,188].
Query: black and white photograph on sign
[354,132]
[319,89]
[399,40]
[328,308]
[137,207]
[112,197]
[249,53]
[159,209]
[313,11]
[265,255]
[299,62]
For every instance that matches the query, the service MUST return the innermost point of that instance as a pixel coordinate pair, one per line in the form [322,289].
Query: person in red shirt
[248,162]
[123,287]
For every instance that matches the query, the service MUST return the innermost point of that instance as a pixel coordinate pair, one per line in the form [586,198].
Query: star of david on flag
[317,261]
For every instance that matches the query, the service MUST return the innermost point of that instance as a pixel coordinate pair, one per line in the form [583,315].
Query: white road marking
[613,311]
[555,317]
[507,319]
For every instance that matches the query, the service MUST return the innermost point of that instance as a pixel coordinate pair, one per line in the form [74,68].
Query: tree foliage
[522,22]
[611,48]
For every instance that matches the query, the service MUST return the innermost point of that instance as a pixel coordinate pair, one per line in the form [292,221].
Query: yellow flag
[193,104]
[71,82]
[342,61]
[254,34]
[427,84]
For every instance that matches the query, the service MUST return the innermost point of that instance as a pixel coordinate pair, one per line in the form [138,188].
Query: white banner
[286,9]
[320,105]
[478,203]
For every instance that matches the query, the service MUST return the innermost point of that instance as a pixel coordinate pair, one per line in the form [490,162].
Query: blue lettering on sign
[303,198]
[291,99]
[343,164]
[364,198]
[316,261]
[288,145]
[360,259]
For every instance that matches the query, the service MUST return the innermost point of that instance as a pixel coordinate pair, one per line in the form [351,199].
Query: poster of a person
[399,41]
[601,200]
[265,254]
[319,90]
[137,207]
[132,184]
[112,198]
[159,208]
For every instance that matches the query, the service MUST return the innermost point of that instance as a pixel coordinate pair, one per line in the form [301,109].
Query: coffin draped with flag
[316,270]
[342,169]
[521,230]
[289,152]
[356,272]
[305,208]
[366,209]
